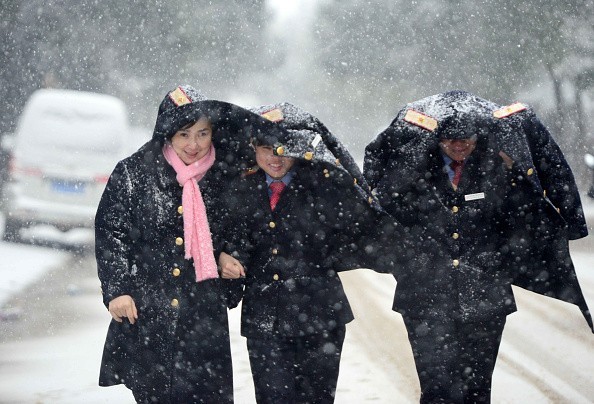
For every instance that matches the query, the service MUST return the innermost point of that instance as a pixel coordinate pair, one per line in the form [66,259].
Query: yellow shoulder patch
[509,110]
[421,120]
[274,115]
[179,97]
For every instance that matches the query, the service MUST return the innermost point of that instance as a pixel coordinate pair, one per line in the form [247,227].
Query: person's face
[273,165]
[458,149]
[193,141]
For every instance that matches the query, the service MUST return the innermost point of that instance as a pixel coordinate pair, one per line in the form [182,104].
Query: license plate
[69,187]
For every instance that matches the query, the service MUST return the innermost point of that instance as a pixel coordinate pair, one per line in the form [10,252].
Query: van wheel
[12,231]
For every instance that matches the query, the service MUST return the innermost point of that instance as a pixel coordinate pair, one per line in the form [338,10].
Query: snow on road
[51,354]
[21,265]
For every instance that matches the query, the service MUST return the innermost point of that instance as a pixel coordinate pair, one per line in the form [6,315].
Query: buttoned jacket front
[291,255]
[542,210]
[459,234]
[140,252]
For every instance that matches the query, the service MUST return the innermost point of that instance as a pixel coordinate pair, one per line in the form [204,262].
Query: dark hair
[192,123]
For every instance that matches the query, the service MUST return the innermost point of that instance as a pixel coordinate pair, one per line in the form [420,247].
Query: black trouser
[454,360]
[298,369]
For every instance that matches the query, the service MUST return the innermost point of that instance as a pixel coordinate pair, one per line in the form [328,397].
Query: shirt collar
[446,159]
[286,179]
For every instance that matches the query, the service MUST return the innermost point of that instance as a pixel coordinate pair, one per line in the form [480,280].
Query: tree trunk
[559,123]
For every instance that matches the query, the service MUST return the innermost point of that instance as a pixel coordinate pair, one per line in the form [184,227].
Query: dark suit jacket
[292,255]
[137,224]
[460,238]
[544,207]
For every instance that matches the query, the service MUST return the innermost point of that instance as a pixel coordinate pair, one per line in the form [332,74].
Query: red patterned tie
[276,187]
[457,167]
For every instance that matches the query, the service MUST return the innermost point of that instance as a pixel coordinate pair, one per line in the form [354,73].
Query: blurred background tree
[354,63]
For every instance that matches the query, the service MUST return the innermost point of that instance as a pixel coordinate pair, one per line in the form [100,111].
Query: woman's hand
[123,306]
[231,268]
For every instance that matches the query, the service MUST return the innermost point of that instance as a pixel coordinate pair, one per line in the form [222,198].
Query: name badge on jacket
[474,197]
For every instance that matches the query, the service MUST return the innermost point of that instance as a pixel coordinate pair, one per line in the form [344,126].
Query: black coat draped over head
[178,350]
[137,225]
[530,211]
[292,254]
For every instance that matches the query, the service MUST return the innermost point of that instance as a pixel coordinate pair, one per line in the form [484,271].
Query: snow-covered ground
[50,353]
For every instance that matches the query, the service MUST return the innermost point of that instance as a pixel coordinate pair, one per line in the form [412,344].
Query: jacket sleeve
[556,177]
[233,226]
[222,227]
[113,236]
[365,236]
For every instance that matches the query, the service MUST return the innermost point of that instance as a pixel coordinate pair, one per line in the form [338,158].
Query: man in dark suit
[289,223]
[461,182]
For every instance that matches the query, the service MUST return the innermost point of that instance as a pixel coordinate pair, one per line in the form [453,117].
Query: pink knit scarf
[198,242]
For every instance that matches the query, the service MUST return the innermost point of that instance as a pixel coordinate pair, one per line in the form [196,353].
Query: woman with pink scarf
[156,244]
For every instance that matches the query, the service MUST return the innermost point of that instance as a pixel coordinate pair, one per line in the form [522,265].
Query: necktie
[457,167]
[276,187]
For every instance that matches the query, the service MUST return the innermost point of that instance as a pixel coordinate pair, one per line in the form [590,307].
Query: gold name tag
[474,197]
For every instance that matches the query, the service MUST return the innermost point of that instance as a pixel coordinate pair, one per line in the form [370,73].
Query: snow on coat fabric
[178,350]
[538,258]
[553,213]
[180,341]
[290,254]
[235,125]
[303,136]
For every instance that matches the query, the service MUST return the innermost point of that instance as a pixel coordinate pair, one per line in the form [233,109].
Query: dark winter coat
[529,212]
[458,270]
[292,254]
[180,342]
[552,207]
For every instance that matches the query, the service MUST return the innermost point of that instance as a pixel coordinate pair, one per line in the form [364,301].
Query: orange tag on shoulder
[179,97]
[509,110]
[421,120]
[274,115]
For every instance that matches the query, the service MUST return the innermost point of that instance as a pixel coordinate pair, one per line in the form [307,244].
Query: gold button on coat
[275,277]
[455,263]
[179,241]
[455,209]
[530,171]
[176,272]
[272,225]
[275,251]
[180,209]
[455,236]
[175,302]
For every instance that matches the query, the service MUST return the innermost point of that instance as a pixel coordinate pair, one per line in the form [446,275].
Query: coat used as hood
[233,126]
[551,205]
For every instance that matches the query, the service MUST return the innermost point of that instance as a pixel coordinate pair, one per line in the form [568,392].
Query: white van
[66,145]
